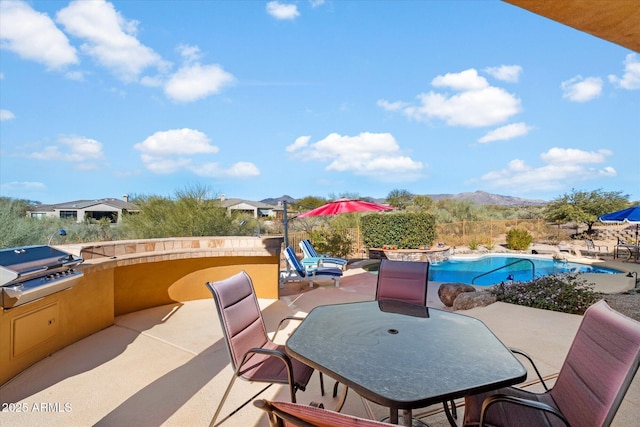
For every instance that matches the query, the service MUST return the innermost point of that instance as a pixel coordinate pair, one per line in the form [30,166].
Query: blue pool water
[463,271]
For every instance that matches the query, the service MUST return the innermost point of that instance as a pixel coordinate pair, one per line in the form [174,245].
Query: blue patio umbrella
[630,215]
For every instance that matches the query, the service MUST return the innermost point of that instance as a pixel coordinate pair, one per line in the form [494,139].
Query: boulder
[448,292]
[467,301]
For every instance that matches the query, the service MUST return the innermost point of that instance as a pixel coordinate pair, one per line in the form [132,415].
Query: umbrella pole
[286,229]
[286,224]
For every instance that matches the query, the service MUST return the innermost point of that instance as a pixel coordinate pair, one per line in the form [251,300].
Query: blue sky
[256,99]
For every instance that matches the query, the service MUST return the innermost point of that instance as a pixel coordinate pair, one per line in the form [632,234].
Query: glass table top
[402,355]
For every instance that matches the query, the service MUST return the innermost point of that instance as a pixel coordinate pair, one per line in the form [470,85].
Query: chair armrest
[535,368]
[286,319]
[522,402]
[274,353]
[310,262]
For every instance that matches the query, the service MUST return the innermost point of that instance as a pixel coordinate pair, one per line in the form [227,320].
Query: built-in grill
[31,272]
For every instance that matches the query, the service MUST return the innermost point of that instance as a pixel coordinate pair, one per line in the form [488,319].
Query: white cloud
[239,170]
[510,131]
[109,38]
[21,187]
[282,11]
[6,115]
[174,150]
[176,142]
[574,155]
[299,143]
[391,106]
[195,81]
[375,155]
[579,89]
[507,73]
[478,108]
[164,165]
[189,53]
[465,80]
[34,36]
[477,104]
[631,77]
[85,153]
[562,167]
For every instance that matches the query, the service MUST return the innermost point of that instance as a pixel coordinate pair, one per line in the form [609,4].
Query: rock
[467,301]
[448,292]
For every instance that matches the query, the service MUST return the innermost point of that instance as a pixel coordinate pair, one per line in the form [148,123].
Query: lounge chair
[310,274]
[254,356]
[592,382]
[313,259]
[403,281]
[593,248]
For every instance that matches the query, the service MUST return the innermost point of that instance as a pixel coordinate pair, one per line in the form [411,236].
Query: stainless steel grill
[32,272]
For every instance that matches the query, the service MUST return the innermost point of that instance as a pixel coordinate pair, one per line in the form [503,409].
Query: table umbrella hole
[393,331]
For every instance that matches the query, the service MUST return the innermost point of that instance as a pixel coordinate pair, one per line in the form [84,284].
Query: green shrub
[331,241]
[402,230]
[474,244]
[518,239]
[558,292]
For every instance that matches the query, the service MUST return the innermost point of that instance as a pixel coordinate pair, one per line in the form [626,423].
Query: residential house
[82,210]
[255,209]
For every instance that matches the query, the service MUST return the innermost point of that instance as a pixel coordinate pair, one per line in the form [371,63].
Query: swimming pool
[464,270]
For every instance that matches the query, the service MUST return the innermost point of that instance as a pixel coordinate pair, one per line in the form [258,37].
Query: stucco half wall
[126,276]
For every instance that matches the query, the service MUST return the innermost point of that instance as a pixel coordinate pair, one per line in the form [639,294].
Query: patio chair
[593,248]
[254,356]
[284,413]
[403,281]
[630,249]
[592,382]
[313,259]
[300,273]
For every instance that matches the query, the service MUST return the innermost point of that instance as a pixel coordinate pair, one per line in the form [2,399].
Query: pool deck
[168,365]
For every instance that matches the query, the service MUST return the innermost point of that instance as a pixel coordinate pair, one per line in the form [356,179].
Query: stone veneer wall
[628,234]
[184,247]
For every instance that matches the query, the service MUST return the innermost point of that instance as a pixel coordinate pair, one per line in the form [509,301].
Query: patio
[168,365]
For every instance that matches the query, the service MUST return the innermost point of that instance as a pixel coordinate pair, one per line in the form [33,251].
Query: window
[69,214]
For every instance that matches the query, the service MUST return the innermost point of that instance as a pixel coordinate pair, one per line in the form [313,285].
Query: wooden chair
[254,357]
[592,382]
[403,281]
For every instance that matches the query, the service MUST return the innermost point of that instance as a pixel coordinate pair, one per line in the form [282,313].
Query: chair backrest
[285,413]
[590,244]
[308,249]
[403,281]
[599,367]
[293,261]
[240,315]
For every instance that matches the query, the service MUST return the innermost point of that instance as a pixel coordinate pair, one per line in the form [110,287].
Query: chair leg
[335,389]
[321,383]
[224,398]
[451,413]
[343,398]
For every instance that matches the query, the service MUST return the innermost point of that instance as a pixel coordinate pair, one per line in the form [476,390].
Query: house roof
[84,204]
[227,203]
[616,21]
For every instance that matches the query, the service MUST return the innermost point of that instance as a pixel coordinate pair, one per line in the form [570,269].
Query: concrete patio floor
[169,365]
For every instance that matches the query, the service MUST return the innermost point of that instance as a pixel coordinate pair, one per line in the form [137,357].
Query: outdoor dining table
[404,356]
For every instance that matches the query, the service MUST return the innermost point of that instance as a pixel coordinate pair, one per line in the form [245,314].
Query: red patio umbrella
[341,206]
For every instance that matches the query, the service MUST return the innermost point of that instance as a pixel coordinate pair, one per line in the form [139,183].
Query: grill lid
[24,263]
